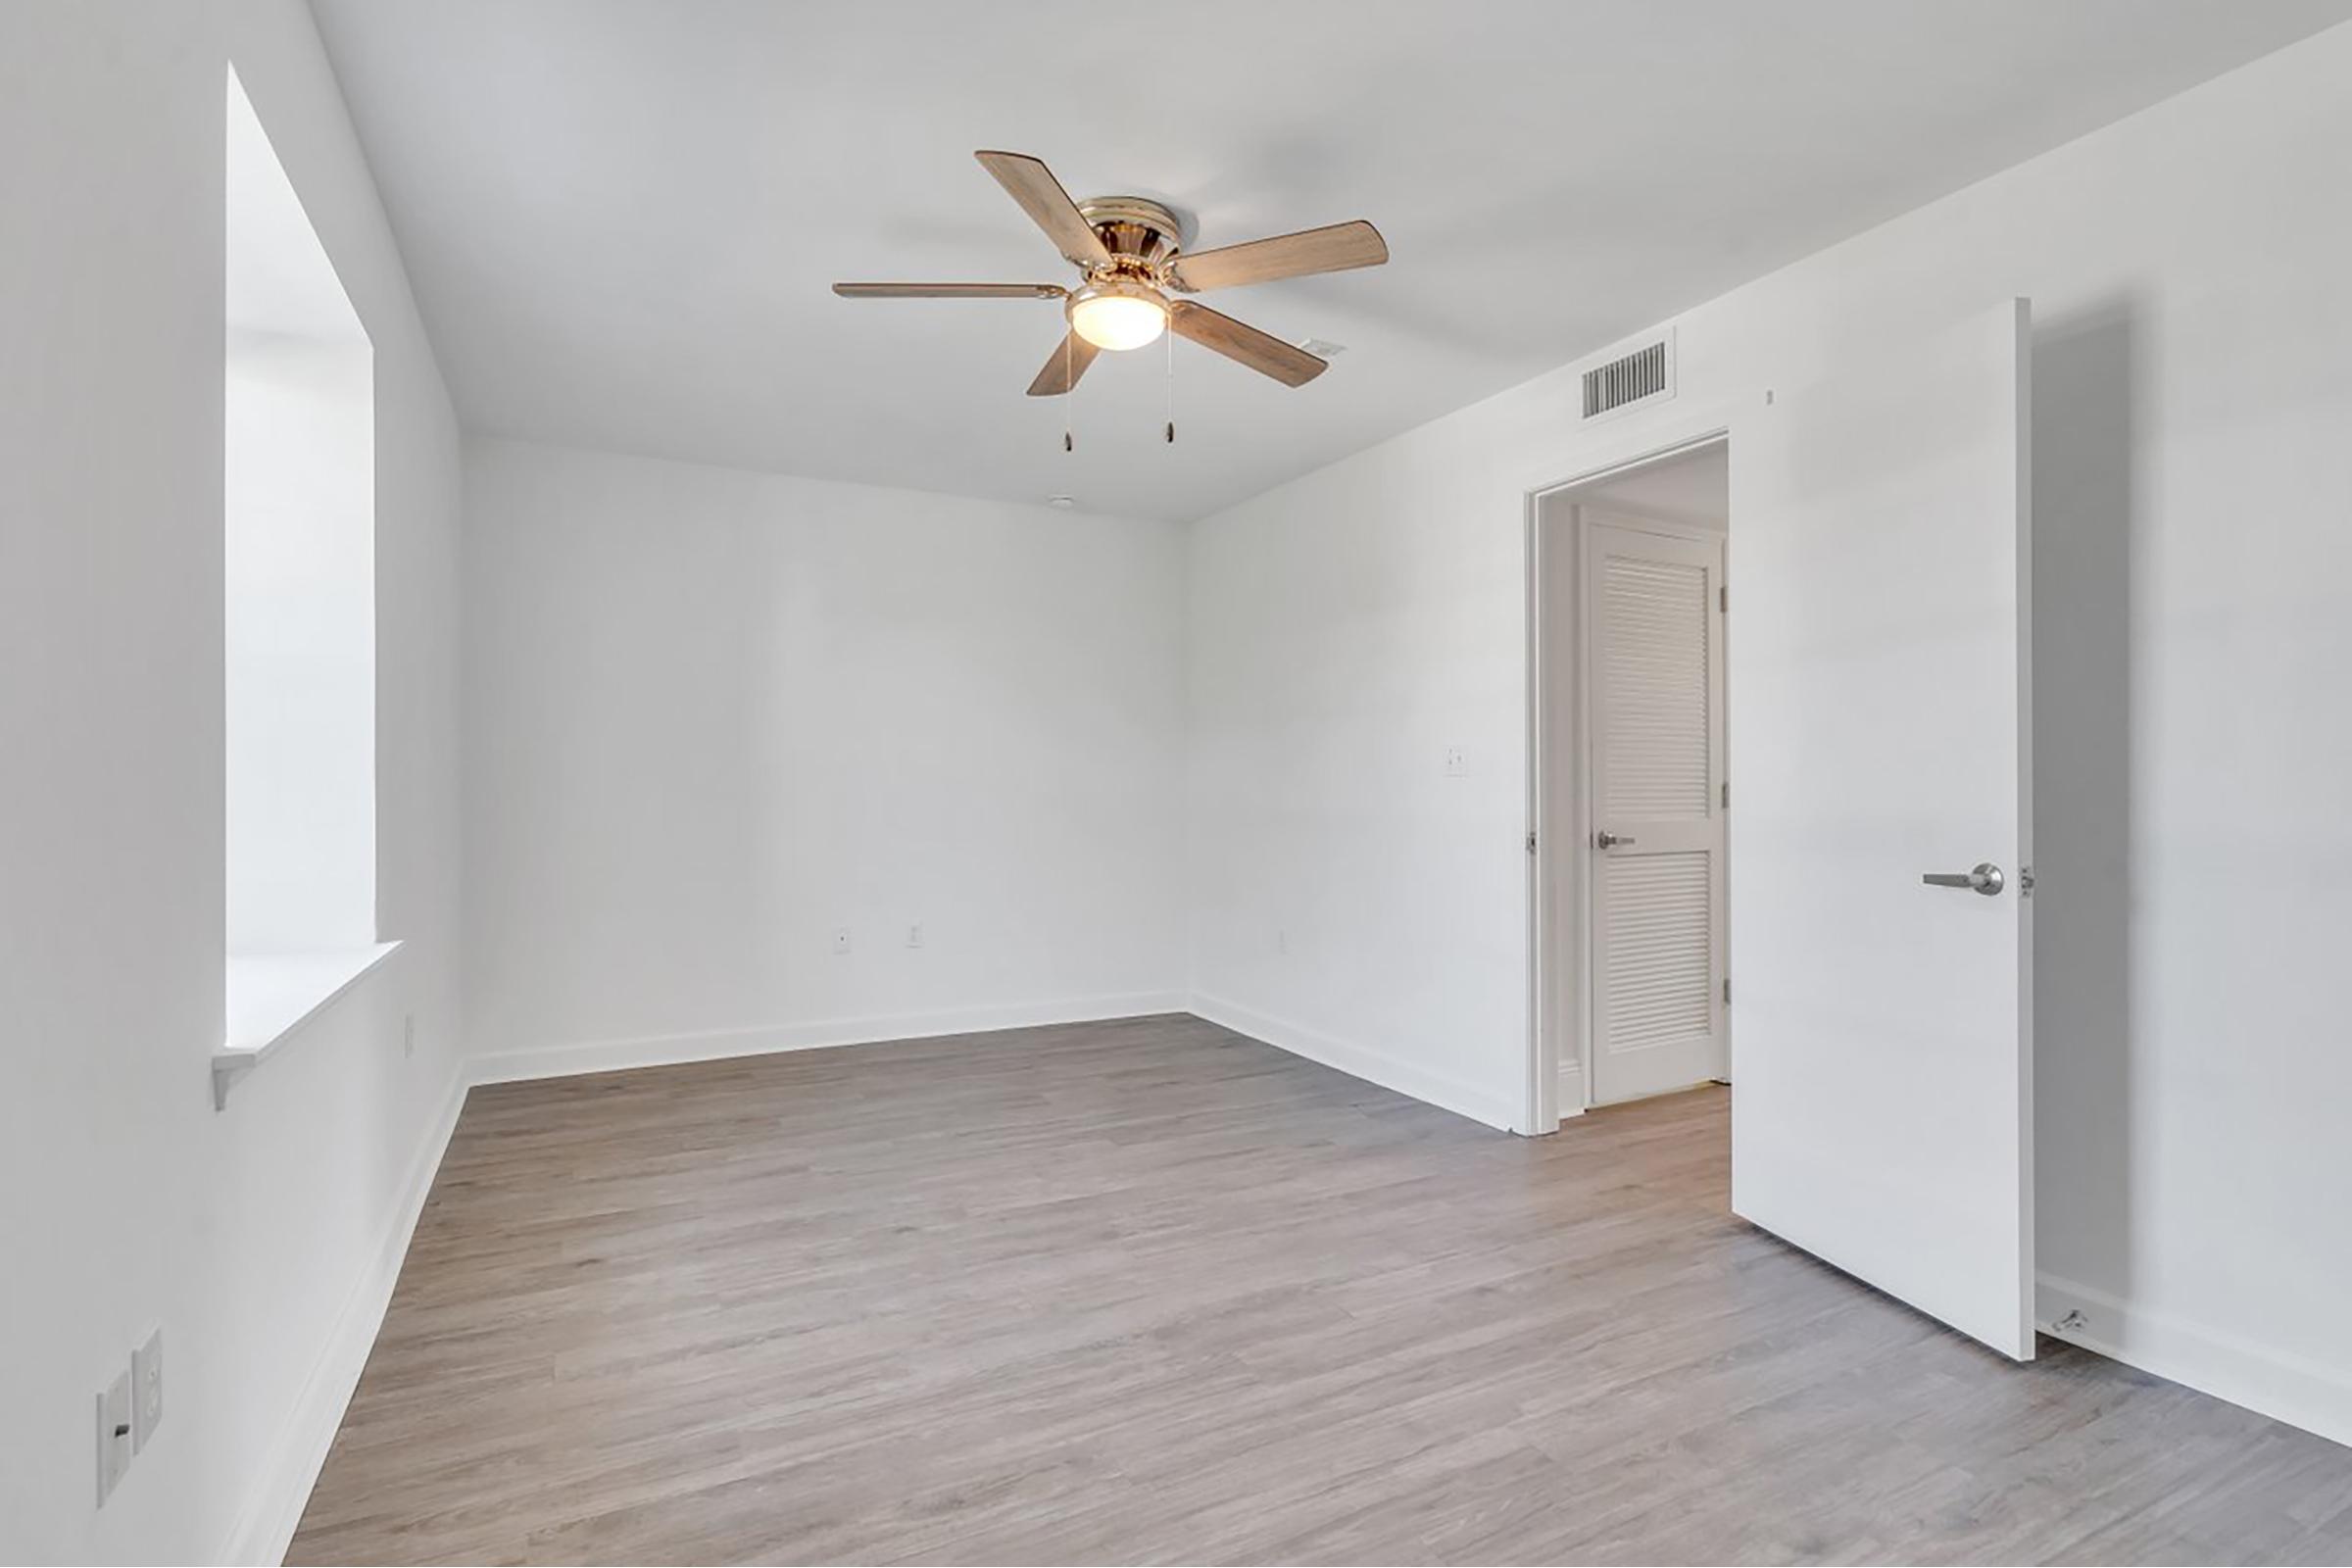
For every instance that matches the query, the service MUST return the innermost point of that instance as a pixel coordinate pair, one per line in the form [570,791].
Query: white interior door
[1655,663]
[1878,685]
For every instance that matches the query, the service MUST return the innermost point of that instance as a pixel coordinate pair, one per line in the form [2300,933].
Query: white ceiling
[623,216]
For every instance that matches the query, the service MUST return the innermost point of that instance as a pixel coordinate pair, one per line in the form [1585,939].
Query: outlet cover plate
[146,1390]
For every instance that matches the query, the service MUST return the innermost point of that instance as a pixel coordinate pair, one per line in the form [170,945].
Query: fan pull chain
[1069,388]
[1171,337]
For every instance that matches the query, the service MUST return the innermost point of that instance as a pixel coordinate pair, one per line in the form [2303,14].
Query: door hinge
[1723,598]
[1727,793]
[1727,989]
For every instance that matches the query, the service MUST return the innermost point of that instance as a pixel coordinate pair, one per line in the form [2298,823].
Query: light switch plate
[146,1389]
[113,1435]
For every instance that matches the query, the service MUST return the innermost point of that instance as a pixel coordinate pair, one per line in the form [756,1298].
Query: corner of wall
[1447,1092]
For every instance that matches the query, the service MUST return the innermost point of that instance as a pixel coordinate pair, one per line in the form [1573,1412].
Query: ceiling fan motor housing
[1141,235]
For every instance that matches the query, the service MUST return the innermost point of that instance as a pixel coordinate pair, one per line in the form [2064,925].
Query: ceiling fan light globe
[1118,319]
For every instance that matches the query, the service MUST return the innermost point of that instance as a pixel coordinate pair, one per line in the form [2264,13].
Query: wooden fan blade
[1264,354]
[950,291]
[1335,249]
[1048,206]
[1069,359]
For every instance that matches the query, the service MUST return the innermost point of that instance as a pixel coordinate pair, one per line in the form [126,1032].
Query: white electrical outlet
[113,1435]
[146,1389]
[841,940]
[1457,761]
[914,935]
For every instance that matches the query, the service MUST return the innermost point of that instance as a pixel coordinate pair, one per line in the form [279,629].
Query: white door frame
[1558,886]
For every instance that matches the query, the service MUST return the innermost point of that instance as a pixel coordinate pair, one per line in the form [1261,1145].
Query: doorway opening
[1633,788]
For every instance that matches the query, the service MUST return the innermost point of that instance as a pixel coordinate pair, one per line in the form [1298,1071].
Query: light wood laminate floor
[1148,1290]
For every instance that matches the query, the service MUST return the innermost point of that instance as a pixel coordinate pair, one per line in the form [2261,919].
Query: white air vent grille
[1646,374]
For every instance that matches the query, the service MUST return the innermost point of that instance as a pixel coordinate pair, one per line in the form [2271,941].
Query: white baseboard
[1360,1062]
[717,1044]
[282,1483]
[2285,1387]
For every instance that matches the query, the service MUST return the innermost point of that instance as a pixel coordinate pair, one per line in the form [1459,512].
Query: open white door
[1878,688]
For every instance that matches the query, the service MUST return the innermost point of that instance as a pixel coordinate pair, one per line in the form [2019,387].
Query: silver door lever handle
[1985,877]
[1607,840]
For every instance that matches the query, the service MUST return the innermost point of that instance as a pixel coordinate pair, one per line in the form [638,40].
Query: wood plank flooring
[1148,1290]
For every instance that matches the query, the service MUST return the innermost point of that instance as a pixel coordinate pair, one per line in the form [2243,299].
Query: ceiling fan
[1128,252]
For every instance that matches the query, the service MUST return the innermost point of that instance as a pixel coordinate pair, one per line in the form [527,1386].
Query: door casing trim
[1557,875]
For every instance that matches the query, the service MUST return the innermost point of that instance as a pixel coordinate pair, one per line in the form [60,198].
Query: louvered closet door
[1655,693]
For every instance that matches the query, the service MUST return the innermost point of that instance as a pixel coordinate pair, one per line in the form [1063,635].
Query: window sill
[273,995]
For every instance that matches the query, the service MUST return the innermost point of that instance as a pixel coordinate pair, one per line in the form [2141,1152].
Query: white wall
[2193,501]
[255,1237]
[714,716]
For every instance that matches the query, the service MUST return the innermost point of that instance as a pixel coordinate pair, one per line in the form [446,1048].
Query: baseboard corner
[1507,1114]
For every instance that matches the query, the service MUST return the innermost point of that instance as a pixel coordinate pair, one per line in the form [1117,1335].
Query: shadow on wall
[2082,625]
